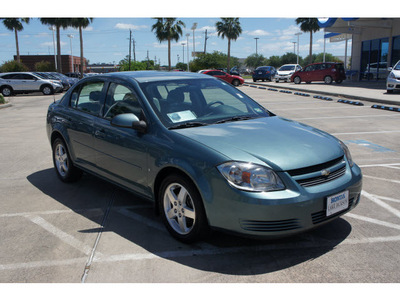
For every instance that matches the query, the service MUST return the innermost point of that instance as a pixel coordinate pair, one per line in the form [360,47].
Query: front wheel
[182,209]
[47,90]
[65,169]
[236,82]
[6,91]
[297,80]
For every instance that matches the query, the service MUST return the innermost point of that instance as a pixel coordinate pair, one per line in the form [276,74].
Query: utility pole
[256,44]
[205,42]
[130,43]
[134,50]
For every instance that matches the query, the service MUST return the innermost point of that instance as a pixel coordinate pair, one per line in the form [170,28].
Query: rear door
[86,102]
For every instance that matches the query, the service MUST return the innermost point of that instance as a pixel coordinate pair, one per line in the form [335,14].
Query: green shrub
[13,66]
[2,101]
[44,66]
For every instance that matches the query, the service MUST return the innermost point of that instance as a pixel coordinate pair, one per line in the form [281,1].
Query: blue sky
[106,40]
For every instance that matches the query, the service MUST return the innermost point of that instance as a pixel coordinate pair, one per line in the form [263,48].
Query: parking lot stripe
[366,132]
[387,198]
[381,203]
[348,117]
[379,165]
[383,179]
[374,221]
[65,237]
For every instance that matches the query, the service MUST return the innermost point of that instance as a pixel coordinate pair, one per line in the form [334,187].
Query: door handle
[100,134]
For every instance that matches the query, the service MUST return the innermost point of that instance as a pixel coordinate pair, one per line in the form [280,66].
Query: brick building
[68,63]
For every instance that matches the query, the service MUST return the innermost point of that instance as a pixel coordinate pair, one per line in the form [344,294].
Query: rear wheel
[6,91]
[65,169]
[235,82]
[182,209]
[328,79]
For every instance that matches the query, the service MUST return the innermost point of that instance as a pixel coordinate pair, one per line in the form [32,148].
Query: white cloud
[258,32]
[129,26]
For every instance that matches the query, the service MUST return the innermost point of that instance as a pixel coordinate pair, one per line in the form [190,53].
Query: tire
[181,209]
[6,91]
[236,82]
[63,165]
[254,80]
[328,79]
[47,90]
[297,80]
[389,91]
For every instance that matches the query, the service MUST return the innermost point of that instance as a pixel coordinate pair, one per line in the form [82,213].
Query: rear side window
[88,98]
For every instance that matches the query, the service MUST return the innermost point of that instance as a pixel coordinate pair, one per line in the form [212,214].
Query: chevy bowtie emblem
[325,173]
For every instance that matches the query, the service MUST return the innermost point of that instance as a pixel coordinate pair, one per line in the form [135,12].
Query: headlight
[347,153]
[250,177]
[391,75]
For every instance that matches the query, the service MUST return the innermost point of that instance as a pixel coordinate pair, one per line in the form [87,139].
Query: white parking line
[374,221]
[381,203]
[65,237]
[349,117]
[383,179]
[379,165]
[365,132]
[386,198]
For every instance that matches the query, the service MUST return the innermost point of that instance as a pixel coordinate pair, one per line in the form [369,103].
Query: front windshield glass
[397,66]
[286,68]
[198,102]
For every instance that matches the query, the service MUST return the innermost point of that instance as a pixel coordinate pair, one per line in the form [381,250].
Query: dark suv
[327,72]
[264,73]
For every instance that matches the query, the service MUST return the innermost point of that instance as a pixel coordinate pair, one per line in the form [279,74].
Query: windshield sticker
[181,116]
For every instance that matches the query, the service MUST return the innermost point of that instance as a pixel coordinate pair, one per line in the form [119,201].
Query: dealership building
[375,43]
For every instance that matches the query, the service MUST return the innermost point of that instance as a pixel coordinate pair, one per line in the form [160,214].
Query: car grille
[270,226]
[320,216]
[312,176]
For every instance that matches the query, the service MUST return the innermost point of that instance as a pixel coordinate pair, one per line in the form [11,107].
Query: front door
[121,152]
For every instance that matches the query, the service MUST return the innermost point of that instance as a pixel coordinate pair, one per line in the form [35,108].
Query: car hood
[280,143]
[285,72]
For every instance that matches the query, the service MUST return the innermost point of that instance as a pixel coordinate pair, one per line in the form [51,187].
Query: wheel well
[160,177]
[54,136]
[44,85]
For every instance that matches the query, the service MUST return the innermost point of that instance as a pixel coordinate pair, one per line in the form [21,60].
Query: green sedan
[208,155]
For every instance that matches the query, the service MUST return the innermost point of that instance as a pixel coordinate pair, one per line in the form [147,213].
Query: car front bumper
[393,84]
[280,213]
[283,77]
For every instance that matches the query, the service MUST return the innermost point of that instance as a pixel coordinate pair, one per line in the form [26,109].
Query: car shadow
[134,219]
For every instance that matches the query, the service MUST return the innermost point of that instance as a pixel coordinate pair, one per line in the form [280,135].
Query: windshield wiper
[236,118]
[187,125]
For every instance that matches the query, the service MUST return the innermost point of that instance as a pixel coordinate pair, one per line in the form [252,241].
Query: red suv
[232,79]
[327,72]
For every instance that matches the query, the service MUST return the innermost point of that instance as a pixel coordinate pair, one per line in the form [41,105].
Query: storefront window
[374,59]
[395,50]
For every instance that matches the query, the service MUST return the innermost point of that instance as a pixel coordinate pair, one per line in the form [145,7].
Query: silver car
[27,82]
[286,71]
[393,80]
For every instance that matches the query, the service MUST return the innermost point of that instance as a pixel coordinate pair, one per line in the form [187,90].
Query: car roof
[147,76]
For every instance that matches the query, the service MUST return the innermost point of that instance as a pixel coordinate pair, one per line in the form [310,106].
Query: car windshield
[286,68]
[397,66]
[198,102]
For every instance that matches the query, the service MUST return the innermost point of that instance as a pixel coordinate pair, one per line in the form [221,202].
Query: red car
[232,79]
[327,72]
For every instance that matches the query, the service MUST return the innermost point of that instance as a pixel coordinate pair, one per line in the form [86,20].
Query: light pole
[187,40]
[183,52]
[71,36]
[256,45]
[53,28]
[194,28]
[298,34]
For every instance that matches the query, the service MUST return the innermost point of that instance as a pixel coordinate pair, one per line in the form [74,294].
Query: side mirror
[129,121]
[390,69]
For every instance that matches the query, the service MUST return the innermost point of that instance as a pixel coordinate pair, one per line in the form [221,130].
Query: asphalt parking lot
[92,231]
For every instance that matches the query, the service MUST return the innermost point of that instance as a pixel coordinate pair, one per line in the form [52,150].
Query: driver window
[121,100]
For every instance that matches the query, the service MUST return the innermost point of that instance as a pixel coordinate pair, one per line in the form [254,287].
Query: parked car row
[393,79]
[28,82]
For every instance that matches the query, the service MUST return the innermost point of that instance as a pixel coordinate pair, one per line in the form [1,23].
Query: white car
[286,71]
[393,80]
[27,82]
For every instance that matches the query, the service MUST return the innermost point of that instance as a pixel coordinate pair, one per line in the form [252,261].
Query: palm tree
[167,29]
[81,23]
[308,25]
[229,28]
[15,24]
[58,23]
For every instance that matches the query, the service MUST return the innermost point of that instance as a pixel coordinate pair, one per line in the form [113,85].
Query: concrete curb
[5,105]
[339,95]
